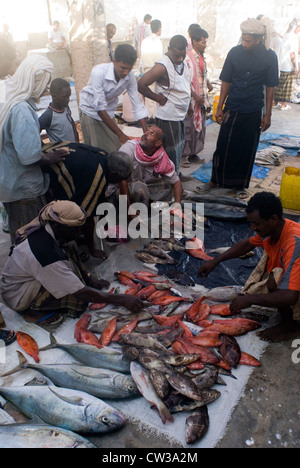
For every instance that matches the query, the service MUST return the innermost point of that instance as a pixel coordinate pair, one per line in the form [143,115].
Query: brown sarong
[257,282]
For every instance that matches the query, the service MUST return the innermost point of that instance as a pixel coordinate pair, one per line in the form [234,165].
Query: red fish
[146,292]
[203,313]
[205,354]
[250,325]
[88,337]
[128,328]
[28,344]
[194,309]
[168,299]
[133,290]
[178,348]
[197,365]
[108,332]
[187,332]
[127,274]
[82,323]
[195,247]
[147,277]
[248,360]
[204,323]
[168,321]
[158,295]
[207,341]
[125,280]
[220,309]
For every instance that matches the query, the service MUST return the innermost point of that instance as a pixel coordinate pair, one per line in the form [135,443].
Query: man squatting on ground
[275,281]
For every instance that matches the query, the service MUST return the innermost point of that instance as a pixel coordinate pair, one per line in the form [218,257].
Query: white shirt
[289,45]
[151,51]
[178,93]
[103,90]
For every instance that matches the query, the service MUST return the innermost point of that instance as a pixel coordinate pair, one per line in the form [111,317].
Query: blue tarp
[204,172]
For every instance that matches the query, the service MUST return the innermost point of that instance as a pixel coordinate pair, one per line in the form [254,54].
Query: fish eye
[105,420]
[131,388]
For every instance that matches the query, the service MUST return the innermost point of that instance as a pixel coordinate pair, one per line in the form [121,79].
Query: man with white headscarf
[22,183]
[249,69]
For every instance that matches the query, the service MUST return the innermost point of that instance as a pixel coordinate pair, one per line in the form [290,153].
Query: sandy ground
[268,414]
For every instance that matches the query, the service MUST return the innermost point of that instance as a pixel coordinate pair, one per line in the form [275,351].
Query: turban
[63,212]
[253,26]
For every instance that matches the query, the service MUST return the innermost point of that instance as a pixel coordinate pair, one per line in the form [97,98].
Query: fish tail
[165,414]
[52,344]
[22,364]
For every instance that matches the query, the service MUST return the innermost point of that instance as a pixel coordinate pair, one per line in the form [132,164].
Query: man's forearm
[277,299]
[236,251]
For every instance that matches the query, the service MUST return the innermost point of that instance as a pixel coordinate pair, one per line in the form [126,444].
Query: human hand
[133,303]
[55,157]
[239,303]
[123,138]
[265,123]
[162,100]
[207,268]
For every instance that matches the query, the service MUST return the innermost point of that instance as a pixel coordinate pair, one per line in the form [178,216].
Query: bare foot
[281,332]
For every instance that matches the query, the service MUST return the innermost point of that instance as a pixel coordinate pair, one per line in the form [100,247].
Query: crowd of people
[51,192]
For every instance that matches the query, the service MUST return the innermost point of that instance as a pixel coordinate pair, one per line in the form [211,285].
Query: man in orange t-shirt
[275,282]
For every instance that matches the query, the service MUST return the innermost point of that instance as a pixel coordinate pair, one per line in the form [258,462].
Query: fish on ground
[248,360]
[230,350]
[141,377]
[40,436]
[224,293]
[196,425]
[29,345]
[101,383]
[69,409]
[106,357]
[160,383]
[148,258]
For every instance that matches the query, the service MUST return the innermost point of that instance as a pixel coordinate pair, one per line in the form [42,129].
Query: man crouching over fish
[44,272]
[275,282]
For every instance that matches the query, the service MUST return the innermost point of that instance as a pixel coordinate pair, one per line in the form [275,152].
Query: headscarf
[160,161]
[254,26]
[63,212]
[29,81]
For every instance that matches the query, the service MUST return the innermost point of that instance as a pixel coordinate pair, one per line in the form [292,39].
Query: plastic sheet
[218,233]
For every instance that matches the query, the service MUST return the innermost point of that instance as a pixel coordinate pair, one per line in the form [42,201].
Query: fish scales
[69,409]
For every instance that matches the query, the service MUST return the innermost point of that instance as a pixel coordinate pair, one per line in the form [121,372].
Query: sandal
[52,318]
[8,336]
[204,188]
[185,164]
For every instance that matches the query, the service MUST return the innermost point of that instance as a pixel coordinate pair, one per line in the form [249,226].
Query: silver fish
[223,293]
[69,409]
[196,425]
[101,383]
[221,250]
[40,436]
[143,382]
[106,357]
[148,258]
[143,341]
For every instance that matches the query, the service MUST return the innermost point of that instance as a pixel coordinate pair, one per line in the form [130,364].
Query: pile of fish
[172,353]
[156,251]
[269,156]
[179,350]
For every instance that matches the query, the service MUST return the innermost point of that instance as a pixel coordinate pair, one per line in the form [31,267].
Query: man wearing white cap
[249,68]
